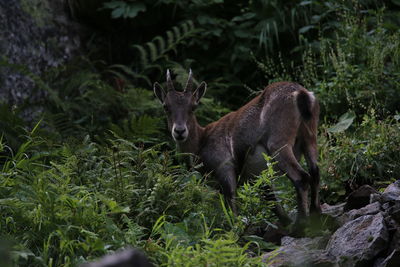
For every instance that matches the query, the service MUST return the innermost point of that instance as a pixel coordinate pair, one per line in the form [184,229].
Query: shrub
[366,153]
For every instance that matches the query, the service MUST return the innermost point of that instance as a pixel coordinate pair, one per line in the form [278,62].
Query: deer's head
[180,106]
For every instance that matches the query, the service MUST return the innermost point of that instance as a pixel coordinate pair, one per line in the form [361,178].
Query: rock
[393,260]
[392,192]
[395,212]
[370,209]
[386,205]
[334,210]
[310,243]
[391,225]
[359,198]
[358,242]
[375,197]
[125,258]
[32,42]
[300,252]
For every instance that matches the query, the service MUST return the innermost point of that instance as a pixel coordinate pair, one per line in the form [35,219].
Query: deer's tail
[306,104]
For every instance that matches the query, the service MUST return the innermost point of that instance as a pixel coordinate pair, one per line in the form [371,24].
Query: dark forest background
[89,167]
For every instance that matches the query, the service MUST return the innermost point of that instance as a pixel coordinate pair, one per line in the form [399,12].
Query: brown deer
[281,121]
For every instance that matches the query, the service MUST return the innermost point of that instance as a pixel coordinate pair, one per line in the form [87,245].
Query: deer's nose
[180,131]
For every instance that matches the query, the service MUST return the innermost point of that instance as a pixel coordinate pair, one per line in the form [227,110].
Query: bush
[366,153]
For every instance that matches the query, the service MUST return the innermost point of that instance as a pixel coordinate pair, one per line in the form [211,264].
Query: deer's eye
[166,108]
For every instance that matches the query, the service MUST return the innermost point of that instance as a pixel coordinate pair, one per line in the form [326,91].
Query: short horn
[170,84]
[189,83]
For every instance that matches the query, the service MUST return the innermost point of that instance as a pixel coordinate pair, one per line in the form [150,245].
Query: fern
[143,54]
[137,128]
[160,47]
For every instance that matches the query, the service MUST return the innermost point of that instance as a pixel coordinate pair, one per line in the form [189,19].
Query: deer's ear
[159,92]
[200,91]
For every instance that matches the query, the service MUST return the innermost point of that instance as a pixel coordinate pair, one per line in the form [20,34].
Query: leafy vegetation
[97,171]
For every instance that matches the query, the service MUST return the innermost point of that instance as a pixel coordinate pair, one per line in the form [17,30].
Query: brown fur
[281,121]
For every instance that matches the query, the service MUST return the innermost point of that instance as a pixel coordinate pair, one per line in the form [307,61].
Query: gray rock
[359,198]
[332,210]
[385,205]
[392,192]
[307,242]
[130,257]
[375,197]
[32,41]
[358,242]
[394,211]
[370,209]
[300,252]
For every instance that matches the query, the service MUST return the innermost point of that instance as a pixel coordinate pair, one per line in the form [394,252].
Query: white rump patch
[312,97]
[310,94]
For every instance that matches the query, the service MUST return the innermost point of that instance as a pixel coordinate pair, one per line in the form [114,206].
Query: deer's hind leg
[311,156]
[306,144]
[288,164]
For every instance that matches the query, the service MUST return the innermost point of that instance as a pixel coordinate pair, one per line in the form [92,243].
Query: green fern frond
[144,126]
[136,128]
[170,38]
[123,72]
[142,53]
[160,47]
[161,43]
[177,33]
[153,51]
[185,27]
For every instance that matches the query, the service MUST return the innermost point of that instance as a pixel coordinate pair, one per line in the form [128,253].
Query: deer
[281,122]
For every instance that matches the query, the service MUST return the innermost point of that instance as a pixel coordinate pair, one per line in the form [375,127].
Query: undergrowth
[367,153]
[64,204]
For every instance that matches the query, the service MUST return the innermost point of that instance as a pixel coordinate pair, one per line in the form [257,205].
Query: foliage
[121,9]
[98,172]
[63,204]
[357,69]
[364,68]
[366,155]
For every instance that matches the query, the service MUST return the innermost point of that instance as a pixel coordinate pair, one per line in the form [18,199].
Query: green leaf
[113,4]
[135,8]
[124,10]
[306,28]
[117,13]
[344,122]
[243,33]
[305,3]
[245,16]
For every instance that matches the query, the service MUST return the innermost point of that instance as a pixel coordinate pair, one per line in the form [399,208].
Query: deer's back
[238,135]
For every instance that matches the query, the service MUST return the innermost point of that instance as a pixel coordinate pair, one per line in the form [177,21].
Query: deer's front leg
[226,176]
